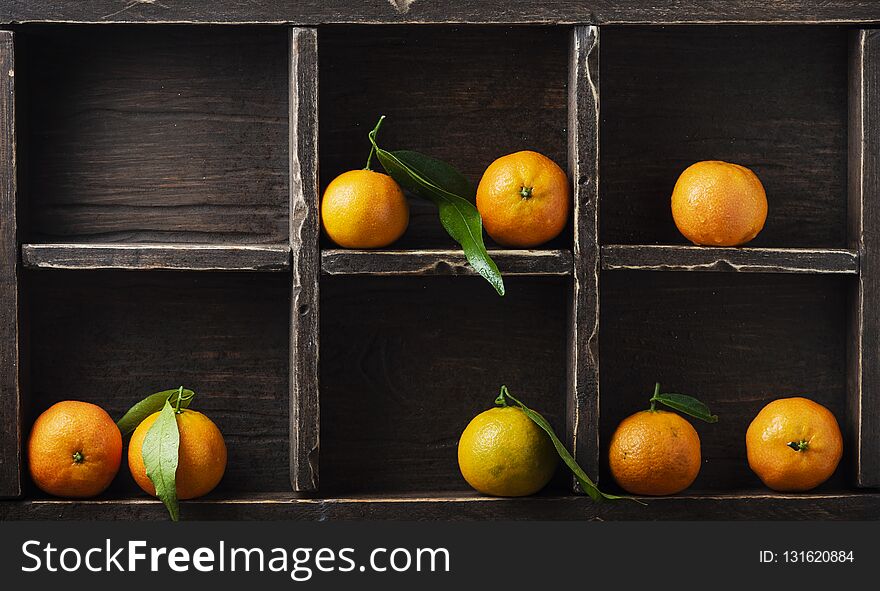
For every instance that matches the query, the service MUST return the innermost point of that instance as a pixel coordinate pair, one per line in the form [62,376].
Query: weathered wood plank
[164,134]
[863,408]
[313,12]
[617,257]
[10,395]
[442,262]
[583,166]
[304,236]
[757,505]
[177,257]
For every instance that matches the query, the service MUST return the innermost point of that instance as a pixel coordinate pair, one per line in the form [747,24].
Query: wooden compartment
[129,152]
[443,101]
[154,135]
[112,338]
[773,99]
[407,363]
[736,341]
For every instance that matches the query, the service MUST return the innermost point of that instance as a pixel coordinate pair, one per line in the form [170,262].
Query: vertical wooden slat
[304,234]
[863,420]
[583,168]
[10,417]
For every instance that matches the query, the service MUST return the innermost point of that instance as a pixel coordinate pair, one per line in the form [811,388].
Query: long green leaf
[438,172]
[686,404]
[444,186]
[152,403]
[505,398]
[160,449]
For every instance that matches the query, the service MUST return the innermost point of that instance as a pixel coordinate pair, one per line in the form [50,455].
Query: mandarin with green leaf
[657,452]
[201,455]
[654,452]
[503,453]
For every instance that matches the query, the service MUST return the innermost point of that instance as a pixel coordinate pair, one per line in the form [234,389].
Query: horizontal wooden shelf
[176,257]
[619,257]
[463,506]
[314,12]
[442,262]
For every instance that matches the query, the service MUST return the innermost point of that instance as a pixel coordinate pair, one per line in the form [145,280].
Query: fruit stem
[654,398]
[502,398]
[179,397]
[526,192]
[78,457]
[373,142]
[801,445]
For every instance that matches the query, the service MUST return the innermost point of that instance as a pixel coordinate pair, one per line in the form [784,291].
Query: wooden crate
[159,188]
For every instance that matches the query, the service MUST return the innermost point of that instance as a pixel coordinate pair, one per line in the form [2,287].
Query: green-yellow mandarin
[503,453]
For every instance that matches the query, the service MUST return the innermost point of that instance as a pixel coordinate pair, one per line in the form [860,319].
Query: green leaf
[440,174]
[160,450]
[447,188]
[152,403]
[505,398]
[686,404]
[458,216]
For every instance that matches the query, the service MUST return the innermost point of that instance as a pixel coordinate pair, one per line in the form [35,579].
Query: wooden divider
[10,417]
[304,234]
[583,169]
[864,235]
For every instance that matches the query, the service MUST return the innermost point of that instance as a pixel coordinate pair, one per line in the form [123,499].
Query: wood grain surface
[736,342]
[442,262]
[114,337]
[443,102]
[312,12]
[406,363]
[771,99]
[144,257]
[10,401]
[304,233]
[751,505]
[863,402]
[164,134]
[617,257]
[582,407]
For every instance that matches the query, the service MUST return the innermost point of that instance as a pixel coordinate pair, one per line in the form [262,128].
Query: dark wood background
[163,135]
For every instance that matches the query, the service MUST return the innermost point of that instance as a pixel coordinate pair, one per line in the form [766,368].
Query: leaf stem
[372,136]
[501,400]
[655,397]
[177,410]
